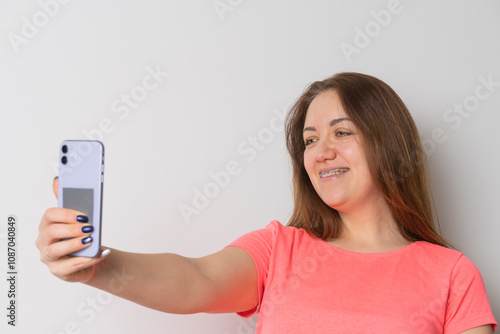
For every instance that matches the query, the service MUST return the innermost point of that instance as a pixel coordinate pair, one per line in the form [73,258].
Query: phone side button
[102,178]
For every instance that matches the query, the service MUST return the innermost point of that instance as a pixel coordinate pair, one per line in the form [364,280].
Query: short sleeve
[468,306]
[259,245]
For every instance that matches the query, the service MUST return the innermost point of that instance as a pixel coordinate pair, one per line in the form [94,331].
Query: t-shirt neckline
[380,254]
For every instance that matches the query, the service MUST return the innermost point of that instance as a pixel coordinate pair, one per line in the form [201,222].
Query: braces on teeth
[333,172]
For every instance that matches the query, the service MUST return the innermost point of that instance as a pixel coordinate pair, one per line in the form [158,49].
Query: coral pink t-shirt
[309,286]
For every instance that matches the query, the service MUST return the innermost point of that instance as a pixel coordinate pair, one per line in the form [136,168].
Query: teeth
[333,172]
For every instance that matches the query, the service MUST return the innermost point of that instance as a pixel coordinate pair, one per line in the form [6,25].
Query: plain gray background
[225,73]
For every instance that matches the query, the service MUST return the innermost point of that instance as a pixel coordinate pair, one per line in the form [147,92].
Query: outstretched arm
[225,281]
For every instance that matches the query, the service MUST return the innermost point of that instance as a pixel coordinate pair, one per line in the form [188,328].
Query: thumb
[55,185]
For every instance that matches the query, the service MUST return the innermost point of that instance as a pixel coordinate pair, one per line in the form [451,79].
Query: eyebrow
[332,123]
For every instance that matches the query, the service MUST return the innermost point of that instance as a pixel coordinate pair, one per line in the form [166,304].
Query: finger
[104,252]
[56,232]
[58,250]
[61,215]
[55,186]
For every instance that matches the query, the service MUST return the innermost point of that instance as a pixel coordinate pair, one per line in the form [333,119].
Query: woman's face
[334,157]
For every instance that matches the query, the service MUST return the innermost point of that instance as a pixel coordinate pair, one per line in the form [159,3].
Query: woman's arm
[225,281]
[480,330]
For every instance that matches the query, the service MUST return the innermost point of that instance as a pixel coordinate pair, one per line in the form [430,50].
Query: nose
[326,151]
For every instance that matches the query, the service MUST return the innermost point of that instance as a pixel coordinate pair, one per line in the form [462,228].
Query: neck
[371,229]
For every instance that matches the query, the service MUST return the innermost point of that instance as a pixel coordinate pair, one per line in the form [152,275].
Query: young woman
[359,254]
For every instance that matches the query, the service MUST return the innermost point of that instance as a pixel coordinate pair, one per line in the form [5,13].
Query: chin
[334,203]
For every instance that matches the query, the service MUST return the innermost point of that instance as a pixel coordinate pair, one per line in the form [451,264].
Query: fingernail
[56,178]
[87,240]
[105,252]
[87,229]
[82,219]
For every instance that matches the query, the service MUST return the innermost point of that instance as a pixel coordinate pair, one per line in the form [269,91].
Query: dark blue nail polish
[82,219]
[87,229]
[87,240]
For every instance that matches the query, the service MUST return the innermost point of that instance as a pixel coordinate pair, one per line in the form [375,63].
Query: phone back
[81,174]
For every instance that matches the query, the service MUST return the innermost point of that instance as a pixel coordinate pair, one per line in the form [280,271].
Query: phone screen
[80,199]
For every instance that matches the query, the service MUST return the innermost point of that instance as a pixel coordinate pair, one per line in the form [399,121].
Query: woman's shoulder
[284,233]
[273,235]
[431,248]
[276,229]
[425,248]
[442,256]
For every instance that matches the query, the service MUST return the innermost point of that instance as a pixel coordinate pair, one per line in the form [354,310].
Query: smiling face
[334,158]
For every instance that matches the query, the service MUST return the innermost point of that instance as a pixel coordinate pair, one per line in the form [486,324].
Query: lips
[331,172]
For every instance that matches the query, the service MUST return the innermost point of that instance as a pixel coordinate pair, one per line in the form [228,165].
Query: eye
[341,133]
[309,141]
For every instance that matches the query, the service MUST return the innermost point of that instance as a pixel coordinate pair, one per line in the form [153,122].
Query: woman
[360,252]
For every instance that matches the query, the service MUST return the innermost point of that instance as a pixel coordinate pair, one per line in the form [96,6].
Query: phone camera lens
[64,160]
[64,148]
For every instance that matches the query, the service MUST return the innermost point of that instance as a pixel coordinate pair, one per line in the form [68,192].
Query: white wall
[233,67]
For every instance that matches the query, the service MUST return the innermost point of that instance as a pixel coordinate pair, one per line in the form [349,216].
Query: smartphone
[81,176]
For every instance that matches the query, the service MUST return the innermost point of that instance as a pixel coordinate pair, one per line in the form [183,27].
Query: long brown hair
[393,150]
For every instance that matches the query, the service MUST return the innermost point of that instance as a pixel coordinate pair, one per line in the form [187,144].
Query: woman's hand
[56,226]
